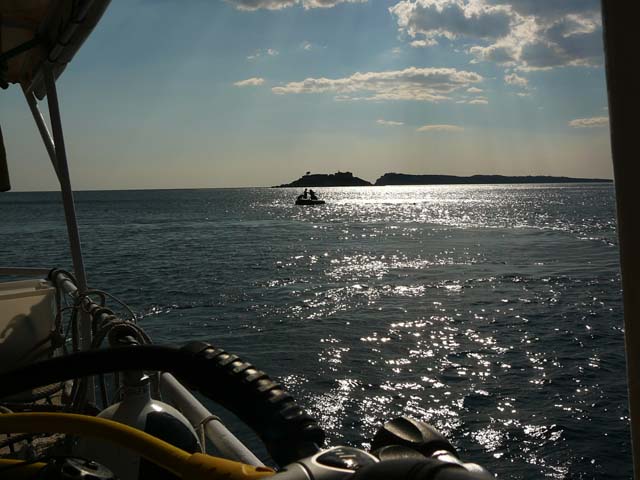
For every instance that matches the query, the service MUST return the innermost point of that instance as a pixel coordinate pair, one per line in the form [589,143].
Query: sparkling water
[493,312]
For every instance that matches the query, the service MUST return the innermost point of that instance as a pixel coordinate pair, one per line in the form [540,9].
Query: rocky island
[405,179]
[338,179]
[347,179]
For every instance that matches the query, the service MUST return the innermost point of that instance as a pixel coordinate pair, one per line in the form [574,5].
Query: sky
[229,93]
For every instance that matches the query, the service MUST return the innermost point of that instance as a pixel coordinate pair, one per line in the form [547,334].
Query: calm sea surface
[493,312]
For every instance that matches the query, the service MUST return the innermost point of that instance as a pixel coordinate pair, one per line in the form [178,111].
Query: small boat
[308,201]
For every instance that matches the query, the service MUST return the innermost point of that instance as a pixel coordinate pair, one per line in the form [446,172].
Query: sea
[492,312]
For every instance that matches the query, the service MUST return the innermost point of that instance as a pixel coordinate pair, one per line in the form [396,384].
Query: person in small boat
[312,194]
[303,196]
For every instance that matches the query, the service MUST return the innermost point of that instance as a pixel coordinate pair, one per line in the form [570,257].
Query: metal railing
[172,390]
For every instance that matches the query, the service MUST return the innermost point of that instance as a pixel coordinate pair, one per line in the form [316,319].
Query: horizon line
[603,180]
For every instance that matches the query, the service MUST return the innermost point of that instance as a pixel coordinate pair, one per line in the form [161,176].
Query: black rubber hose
[412,469]
[287,431]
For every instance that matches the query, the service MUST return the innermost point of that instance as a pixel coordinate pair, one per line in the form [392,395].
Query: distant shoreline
[504,181]
[347,179]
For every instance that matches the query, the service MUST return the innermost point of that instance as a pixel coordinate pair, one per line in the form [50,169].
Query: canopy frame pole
[62,170]
[618,20]
[42,128]
[226,443]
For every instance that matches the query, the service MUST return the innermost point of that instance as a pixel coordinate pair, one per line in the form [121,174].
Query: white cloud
[441,128]
[250,82]
[425,42]
[451,18]
[549,9]
[517,80]
[523,34]
[307,46]
[389,123]
[474,101]
[251,5]
[474,90]
[589,122]
[327,3]
[270,52]
[262,4]
[421,84]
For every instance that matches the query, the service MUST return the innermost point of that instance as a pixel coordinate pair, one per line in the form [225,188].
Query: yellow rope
[186,465]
